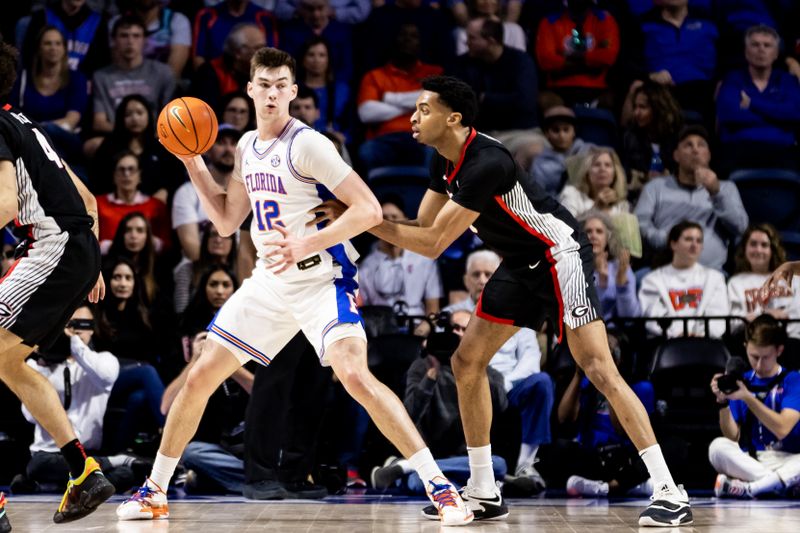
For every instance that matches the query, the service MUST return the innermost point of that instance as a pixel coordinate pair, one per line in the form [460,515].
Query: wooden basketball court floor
[387,514]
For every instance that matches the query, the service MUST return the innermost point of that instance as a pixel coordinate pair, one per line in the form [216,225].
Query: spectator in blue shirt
[680,51]
[49,93]
[758,107]
[759,452]
[213,24]
[315,21]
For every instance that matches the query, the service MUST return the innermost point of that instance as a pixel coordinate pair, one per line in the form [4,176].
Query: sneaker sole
[497,518]
[647,521]
[90,501]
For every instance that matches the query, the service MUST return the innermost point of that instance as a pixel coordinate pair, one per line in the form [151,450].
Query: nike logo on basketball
[536,264]
[175,112]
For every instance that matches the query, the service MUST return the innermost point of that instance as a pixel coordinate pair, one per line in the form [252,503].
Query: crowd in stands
[636,115]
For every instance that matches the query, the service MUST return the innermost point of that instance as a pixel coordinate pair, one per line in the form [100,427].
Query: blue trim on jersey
[293,171]
[345,286]
[265,153]
[337,251]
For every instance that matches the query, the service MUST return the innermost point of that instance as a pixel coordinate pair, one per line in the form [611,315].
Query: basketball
[187,126]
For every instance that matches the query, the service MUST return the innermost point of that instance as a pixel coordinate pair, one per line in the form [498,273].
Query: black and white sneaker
[485,506]
[668,509]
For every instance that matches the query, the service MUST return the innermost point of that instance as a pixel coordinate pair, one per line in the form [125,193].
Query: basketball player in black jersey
[58,267]
[546,273]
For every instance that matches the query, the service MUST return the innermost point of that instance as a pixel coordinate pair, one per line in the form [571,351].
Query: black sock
[75,455]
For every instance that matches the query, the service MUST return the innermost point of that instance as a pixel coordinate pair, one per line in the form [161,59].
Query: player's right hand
[327,211]
[98,291]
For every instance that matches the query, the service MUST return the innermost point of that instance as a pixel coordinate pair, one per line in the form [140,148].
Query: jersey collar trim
[262,155]
[472,134]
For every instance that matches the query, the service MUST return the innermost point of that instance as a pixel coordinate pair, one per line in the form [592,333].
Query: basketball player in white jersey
[304,280]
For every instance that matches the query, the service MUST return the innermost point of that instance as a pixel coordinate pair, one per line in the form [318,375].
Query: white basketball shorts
[263,315]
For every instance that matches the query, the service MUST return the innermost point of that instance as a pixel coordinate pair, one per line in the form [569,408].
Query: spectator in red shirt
[576,48]
[127,198]
[387,98]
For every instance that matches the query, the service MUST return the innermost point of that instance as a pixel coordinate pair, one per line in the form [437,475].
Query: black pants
[50,468]
[284,415]
[564,458]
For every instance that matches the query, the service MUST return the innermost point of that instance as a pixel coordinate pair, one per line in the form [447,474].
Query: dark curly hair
[8,69]
[667,118]
[455,94]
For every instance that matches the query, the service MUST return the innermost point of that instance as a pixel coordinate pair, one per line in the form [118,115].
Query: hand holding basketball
[187,127]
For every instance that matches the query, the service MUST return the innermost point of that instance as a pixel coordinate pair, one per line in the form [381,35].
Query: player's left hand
[286,252]
[739,394]
[99,290]
[327,211]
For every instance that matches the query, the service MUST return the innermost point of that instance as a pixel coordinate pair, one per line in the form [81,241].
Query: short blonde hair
[620,183]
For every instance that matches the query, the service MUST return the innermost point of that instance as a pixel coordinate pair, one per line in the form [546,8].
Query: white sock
[480,468]
[405,466]
[659,472]
[163,468]
[426,467]
[769,483]
[527,455]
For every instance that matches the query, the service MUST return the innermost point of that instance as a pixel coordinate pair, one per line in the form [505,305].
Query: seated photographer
[431,400]
[83,379]
[759,413]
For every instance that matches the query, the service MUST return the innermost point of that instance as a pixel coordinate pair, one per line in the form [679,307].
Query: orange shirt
[389,78]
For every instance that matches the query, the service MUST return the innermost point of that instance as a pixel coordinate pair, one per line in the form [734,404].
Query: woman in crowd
[685,288]
[601,185]
[134,240]
[652,118]
[759,253]
[127,198]
[316,72]
[216,285]
[125,330]
[135,131]
[236,109]
[214,250]
[613,276]
[53,95]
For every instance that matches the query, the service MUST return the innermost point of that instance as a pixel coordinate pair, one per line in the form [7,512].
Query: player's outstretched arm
[226,209]
[9,205]
[429,240]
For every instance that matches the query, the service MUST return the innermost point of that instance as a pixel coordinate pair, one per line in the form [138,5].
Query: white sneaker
[449,506]
[728,487]
[580,486]
[147,503]
[669,508]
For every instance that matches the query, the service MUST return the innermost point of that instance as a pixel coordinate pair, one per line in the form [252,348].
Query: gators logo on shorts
[5,310]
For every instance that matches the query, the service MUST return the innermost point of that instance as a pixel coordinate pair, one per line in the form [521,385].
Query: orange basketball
[187,126]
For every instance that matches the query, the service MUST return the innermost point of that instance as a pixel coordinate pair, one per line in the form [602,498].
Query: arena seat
[770,195]
[409,182]
[389,357]
[597,126]
[681,373]
[791,243]
[378,320]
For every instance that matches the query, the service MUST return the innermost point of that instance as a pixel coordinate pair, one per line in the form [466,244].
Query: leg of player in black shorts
[36,318]
[510,300]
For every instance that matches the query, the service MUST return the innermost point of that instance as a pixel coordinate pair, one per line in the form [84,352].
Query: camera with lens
[734,371]
[56,353]
[442,342]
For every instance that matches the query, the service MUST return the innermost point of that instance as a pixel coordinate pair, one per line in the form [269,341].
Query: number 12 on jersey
[267,213]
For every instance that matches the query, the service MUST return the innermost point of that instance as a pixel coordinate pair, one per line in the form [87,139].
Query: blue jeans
[138,390]
[457,471]
[216,464]
[534,397]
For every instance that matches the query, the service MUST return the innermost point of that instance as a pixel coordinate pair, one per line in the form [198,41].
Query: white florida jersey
[286,178]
